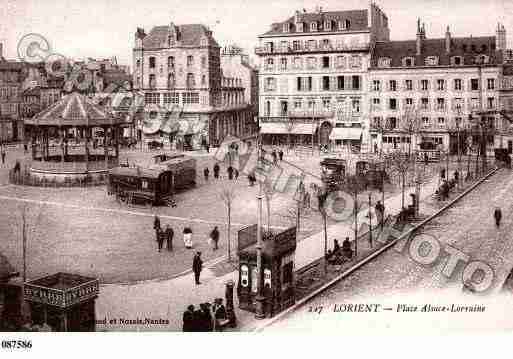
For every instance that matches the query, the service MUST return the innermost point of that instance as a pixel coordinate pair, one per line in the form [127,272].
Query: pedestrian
[236,173]
[497,214]
[426,159]
[169,236]
[206,172]
[25,147]
[17,168]
[197,266]
[160,239]
[216,171]
[214,237]
[380,210]
[3,155]
[198,321]
[275,157]
[156,223]
[230,172]
[442,173]
[280,154]
[187,237]
[220,314]
[188,319]
[346,248]
[208,322]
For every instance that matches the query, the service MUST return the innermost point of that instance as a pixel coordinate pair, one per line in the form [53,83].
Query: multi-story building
[313,76]
[178,68]
[422,91]
[11,125]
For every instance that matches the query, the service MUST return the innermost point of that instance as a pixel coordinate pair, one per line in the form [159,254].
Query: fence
[24,178]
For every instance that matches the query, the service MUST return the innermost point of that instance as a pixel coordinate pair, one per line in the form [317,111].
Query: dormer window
[170,40]
[384,62]
[456,60]
[286,27]
[432,60]
[481,59]
[347,24]
[313,26]
[327,25]
[408,61]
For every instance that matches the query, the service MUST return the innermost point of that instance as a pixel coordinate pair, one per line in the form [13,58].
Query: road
[396,278]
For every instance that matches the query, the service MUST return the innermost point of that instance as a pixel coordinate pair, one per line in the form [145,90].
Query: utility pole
[370,219]
[260,314]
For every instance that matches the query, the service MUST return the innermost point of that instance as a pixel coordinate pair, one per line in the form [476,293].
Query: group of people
[231,171]
[277,155]
[166,235]
[207,318]
[340,254]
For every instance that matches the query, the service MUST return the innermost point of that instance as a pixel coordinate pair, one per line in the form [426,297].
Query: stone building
[422,91]
[313,76]
[188,101]
[11,125]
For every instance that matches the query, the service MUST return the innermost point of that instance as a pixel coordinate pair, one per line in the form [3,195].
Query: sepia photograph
[255,166]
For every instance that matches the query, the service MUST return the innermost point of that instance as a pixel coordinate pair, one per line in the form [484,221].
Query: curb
[365,260]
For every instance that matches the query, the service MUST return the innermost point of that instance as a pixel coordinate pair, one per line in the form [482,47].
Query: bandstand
[73,141]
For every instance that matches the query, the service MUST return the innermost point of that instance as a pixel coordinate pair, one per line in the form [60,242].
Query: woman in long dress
[187,237]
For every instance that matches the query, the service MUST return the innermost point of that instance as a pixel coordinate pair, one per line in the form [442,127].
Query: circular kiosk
[73,141]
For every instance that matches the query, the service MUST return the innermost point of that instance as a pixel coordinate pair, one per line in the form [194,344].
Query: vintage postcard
[255,166]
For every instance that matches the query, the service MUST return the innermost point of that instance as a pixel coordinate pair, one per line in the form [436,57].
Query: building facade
[11,124]
[313,76]
[423,91]
[178,69]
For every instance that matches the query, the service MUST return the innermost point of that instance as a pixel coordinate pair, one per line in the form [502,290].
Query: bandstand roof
[74,109]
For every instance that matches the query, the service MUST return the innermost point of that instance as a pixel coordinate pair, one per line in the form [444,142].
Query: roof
[188,35]
[357,19]
[62,281]
[462,46]
[34,91]
[117,77]
[74,110]
[11,65]
[153,172]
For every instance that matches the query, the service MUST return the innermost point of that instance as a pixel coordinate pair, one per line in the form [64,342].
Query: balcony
[266,50]
[311,113]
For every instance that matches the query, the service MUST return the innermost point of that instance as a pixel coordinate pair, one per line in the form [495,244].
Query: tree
[410,123]
[227,195]
[268,195]
[354,185]
[399,165]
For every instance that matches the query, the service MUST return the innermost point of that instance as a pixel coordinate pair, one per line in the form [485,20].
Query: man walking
[169,236]
[216,171]
[230,172]
[197,266]
[3,155]
[156,223]
[206,173]
[497,214]
[280,154]
[160,239]
[188,319]
[380,209]
[214,235]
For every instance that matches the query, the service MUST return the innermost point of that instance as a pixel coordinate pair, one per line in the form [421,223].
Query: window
[325,62]
[424,85]
[457,84]
[356,82]
[340,82]
[284,108]
[431,60]
[440,104]
[171,81]
[296,45]
[425,121]
[326,102]
[490,84]
[376,85]
[474,103]
[203,62]
[392,104]
[190,98]
[384,62]
[457,60]
[268,108]
[409,102]
[375,104]
[313,26]
[341,62]
[440,85]
[310,63]
[392,84]
[298,63]
[347,24]
[408,62]
[312,44]
[297,103]
[171,98]
[325,44]
[327,25]
[138,62]
[356,61]
[152,62]
[355,106]
[392,123]
[474,84]
[203,80]
[153,83]
[190,80]
[458,104]
[286,27]
[269,84]
[170,63]
[190,60]
[283,63]
[409,85]
[424,103]
[269,63]
[490,102]
[325,83]
[151,98]
[441,121]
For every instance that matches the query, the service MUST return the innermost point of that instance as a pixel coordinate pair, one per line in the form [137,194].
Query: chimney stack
[419,39]
[447,41]
[500,37]
[296,18]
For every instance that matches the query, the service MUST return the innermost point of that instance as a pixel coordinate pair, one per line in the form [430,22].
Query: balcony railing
[264,50]
[311,113]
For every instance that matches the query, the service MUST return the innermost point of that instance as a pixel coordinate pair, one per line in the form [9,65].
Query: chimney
[447,41]
[419,38]
[296,17]
[500,37]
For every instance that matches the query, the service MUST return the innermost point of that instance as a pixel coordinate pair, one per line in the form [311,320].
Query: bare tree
[228,195]
[268,196]
[410,123]
[399,166]
[354,185]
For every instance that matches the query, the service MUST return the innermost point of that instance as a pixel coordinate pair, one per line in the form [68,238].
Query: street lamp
[259,313]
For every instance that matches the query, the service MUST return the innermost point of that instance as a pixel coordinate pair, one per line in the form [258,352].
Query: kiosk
[278,269]
[63,301]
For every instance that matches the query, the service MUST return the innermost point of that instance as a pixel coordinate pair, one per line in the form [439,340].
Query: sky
[105,28]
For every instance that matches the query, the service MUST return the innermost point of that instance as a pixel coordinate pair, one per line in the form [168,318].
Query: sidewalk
[168,299]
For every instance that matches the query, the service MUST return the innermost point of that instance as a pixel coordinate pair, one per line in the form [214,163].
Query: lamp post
[259,313]
[370,218]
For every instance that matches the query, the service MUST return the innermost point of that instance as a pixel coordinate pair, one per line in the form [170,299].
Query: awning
[346,133]
[285,128]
